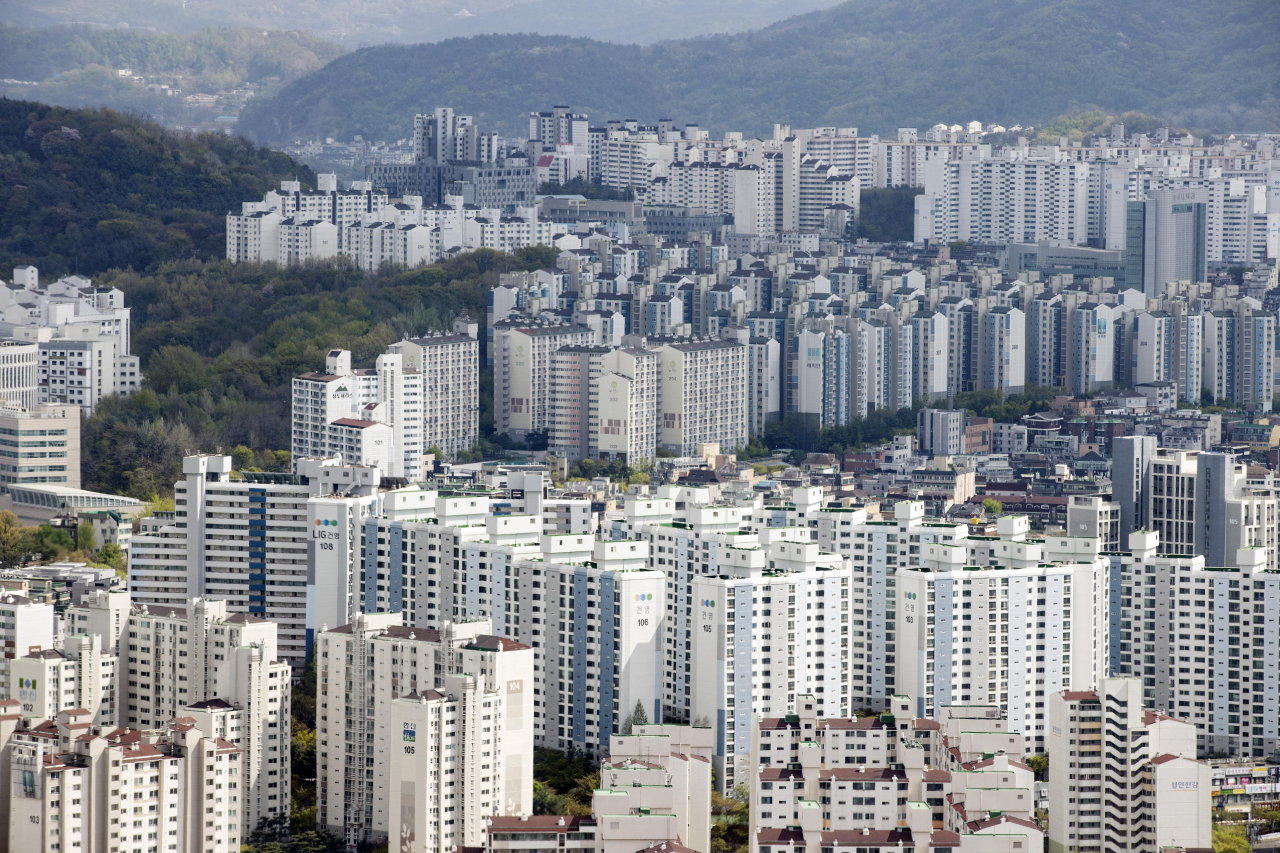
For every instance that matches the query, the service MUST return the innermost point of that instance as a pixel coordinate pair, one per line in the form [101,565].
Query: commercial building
[42,446]
[1166,239]
[940,432]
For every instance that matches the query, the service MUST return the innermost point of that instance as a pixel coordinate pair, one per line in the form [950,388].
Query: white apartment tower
[1123,778]
[72,785]
[522,374]
[449,366]
[26,626]
[174,661]
[245,542]
[78,675]
[703,395]
[430,728]
[426,390]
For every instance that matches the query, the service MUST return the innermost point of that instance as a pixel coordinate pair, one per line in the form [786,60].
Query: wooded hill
[871,64]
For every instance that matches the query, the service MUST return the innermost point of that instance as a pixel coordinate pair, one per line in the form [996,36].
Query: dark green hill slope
[88,190]
[874,64]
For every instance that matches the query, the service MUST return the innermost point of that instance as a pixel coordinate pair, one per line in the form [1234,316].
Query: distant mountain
[873,64]
[79,66]
[353,23]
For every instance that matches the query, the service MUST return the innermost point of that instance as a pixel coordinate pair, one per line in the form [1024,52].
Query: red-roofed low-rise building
[654,797]
[884,774]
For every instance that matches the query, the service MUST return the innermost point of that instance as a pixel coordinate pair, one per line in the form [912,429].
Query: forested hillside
[356,22]
[140,208]
[872,64]
[216,70]
[221,342]
[223,57]
[88,190]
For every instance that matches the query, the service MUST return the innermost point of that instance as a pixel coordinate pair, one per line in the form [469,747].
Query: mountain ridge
[873,64]
[354,23]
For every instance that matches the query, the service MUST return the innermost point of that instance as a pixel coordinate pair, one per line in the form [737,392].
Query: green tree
[993,506]
[560,770]
[1039,765]
[730,818]
[14,538]
[52,542]
[637,717]
[112,555]
[241,457]
[86,540]
[546,800]
[578,798]
[587,189]
[887,215]
[271,828]
[1230,839]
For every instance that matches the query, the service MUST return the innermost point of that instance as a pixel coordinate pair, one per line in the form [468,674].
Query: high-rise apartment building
[1198,502]
[769,631]
[604,403]
[1031,620]
[68,342]
[1198,637]
[703,395]
[1006,350]
[80,675]
[434,729]
[424,390]
[26,626]
[1130,473]
[82,372]
[173,662]
[79,786]
[1123,778]
[449,367]
[242,541]
[967,200]
[522,373]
